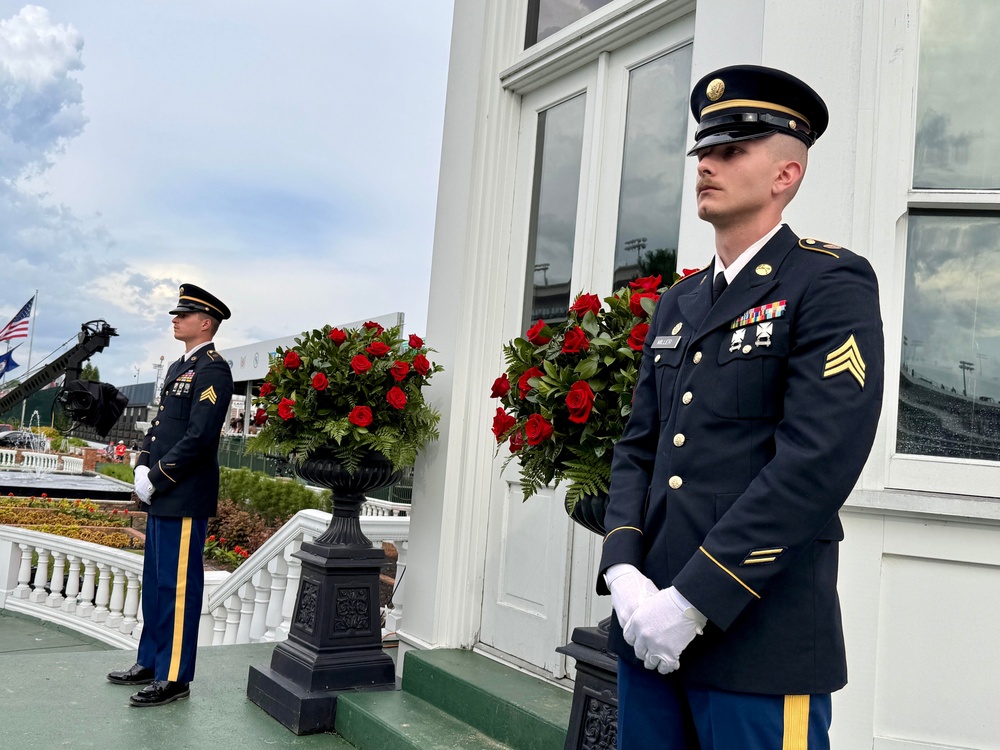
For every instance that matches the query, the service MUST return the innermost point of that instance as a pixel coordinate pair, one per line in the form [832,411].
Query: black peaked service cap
[195,299]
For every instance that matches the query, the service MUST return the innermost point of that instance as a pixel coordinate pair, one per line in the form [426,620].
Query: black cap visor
[727,136]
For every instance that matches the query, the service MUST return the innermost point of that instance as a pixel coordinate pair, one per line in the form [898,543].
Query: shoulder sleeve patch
[819,246]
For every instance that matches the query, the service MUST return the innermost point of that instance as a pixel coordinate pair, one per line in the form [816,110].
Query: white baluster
[219,625]
[23,589]
[55,597]
[262,595]
[131,610]
[291,591]
[72,584]
[279,582]
[394,616]
[41,577]
[246,612]
[103,596]
[232,620]
[86,598]
[117,603]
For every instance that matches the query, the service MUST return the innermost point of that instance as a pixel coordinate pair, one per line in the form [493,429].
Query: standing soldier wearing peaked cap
[177,475]
[756,406]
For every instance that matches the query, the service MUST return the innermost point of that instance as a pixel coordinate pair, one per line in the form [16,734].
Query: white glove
[662,627]
[629,588]
[143,487]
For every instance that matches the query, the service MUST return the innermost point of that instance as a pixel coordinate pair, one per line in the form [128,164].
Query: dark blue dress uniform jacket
[181,447]
[744,441]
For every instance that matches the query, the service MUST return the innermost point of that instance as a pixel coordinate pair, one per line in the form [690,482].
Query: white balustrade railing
[8,458]
[72,465]
[375,507]
[39,461]
[96,590]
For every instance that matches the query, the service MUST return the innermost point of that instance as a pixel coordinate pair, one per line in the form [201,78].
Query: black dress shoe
[134,675]
[160,692]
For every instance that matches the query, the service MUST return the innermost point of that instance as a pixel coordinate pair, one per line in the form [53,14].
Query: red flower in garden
[536,334]
[575,341]
[415,341]
[44,495]
[421,364]
[292,360]
[319,381]
[222,540]
[260,417]
[501,387]
[502,421]
[378,349]
[337,336]
[212,538]
[635,303]
[360,416]
[396,397]
[637,336]
[516,441]
[399,370]
[361,364]
[373,326]
[579,401]
[586,303]
[266,389]
[537,429]
[522,382]
[285,409]
[647,283]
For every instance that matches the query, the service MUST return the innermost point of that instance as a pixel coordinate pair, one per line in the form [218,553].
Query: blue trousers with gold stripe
[656,711]
[173,581]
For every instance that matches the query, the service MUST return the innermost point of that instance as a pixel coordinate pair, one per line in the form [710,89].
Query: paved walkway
[53,694]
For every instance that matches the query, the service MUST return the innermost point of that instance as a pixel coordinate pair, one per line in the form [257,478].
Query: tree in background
[90,373]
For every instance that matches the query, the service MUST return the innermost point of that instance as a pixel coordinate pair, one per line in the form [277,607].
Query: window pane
[553,210]
[546,17]
[653,168]
[949,385]
[958,143]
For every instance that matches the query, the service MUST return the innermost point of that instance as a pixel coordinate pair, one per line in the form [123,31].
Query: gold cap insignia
[763,269]
[716,88]
[846,358]
[792,124]
[208,394]
[677,329]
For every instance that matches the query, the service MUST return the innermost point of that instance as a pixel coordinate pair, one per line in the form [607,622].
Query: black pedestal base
[593,719]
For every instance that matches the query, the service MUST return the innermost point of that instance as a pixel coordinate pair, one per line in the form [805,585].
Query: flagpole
[31,343]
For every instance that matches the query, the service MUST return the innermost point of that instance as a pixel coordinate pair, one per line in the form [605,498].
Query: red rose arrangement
[349,392]
[566,392]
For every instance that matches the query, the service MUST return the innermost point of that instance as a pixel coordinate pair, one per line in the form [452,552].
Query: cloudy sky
[283,156]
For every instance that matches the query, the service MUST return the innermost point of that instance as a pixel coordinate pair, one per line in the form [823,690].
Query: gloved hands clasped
[143,487]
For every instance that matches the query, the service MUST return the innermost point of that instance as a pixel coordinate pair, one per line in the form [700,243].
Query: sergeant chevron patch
[208,394]
[846,358]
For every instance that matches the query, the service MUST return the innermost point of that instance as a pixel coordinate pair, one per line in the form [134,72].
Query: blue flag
[7,362]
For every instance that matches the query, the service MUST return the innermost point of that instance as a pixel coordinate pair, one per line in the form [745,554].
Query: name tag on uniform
[666,342]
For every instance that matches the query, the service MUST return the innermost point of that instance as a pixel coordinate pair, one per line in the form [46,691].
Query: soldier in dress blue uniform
[755,410]
[177,474]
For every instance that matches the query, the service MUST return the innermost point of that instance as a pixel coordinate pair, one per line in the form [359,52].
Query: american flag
[18,326]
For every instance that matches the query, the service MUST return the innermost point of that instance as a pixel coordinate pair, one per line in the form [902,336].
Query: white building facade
[563,169]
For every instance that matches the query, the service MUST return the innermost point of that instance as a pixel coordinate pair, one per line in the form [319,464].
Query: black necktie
[718,286]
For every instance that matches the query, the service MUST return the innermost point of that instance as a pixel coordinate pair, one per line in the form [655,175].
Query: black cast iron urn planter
[335,641]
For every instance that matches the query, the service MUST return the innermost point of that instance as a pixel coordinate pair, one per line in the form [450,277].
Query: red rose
[575,341]
[360,416]
[536,334]
[638,335]
[266,389]
[337,336]
[579,400]
[537,429]
[285,409]
[372,326]
[377,349]
[522,382]
[415,341]
[399,371]
[501,387]
[647,283]
[516,441]
[689,271]
[421,364]
[396,397]
[260,417]
[319,381]
[292,360]
[586,303]
[502,422]
[361,364]
[635,303]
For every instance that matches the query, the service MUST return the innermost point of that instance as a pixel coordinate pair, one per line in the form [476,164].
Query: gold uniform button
[157,423]
[675,482]
[696,358]
[688,397]
[747,349]
[656,358]
[679,439]
[153,439]
[161,407]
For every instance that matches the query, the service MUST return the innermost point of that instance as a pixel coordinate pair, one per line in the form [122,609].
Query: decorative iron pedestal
[335,641]
[593,718]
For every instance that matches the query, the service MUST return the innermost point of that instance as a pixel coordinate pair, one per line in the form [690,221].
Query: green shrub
[124,472]
[77,442]
[274,500]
